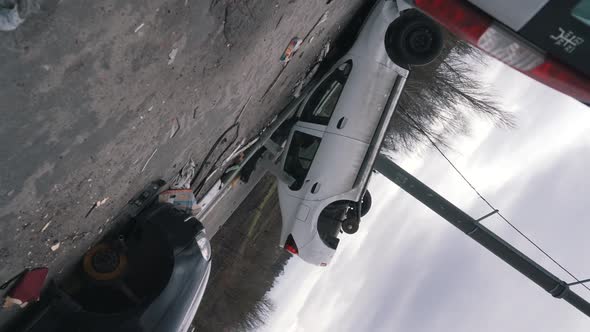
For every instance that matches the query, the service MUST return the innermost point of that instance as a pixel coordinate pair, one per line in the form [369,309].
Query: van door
[362,100]
[303,145]
[335,167]
[349,100]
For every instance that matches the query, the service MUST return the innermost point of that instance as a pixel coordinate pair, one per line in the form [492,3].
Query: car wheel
[413,39]
[366,203]
[350,225]
[104,262]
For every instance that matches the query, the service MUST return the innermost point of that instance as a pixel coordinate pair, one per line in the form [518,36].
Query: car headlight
[204,245]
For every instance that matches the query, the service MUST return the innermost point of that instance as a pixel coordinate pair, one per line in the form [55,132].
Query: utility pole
[488,239]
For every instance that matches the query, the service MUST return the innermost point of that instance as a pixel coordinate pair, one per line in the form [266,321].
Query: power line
[497,211]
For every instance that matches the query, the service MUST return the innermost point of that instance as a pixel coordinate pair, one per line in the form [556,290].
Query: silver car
[340,125]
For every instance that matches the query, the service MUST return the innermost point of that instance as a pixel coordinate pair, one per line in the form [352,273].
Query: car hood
[175,307]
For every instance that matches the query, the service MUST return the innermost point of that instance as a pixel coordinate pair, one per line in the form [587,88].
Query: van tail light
[469,23]
[291,246]
[562,78]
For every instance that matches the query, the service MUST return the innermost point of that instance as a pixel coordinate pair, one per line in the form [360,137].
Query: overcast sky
[407,269]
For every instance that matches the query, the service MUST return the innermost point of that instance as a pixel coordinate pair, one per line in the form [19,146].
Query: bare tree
[440,98]
[257,315]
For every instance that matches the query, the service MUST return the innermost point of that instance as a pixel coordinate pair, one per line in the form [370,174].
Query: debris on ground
[323,19]
[288,54]
[183,179]
[235,166]
[175,127]
[26,289]
[183,199]
[239,148]
[279,22]
[209,196]
[172,56]
[94,206]
[293,46]
[9,16]
[102,202]
[148,161]
[302,82]
[45,227]
[139,27]
[176,48]
[55,246]
[235,163]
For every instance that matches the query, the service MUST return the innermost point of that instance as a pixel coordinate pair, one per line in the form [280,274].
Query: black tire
[413,39]
[350,225]
[366,203]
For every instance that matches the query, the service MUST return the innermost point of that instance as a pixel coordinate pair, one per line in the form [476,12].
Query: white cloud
[409,270]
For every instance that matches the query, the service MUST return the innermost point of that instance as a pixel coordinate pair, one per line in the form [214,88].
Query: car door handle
[341,122]
[315,188]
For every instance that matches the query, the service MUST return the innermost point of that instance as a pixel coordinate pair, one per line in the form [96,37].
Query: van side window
[322,103]
[300,157]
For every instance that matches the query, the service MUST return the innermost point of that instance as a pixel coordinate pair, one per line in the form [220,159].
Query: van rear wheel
[413,39]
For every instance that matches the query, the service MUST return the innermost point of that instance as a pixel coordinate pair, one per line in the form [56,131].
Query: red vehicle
[548,40]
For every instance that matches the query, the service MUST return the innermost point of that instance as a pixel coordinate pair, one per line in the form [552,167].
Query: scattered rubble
[102,202]
[183,179]
[175,127]
[148,161]
[172,56]
[181,198]
[293,46]
[45,227]
[209,197]
[176,48]
[55,247]
[139,28]
[95,205]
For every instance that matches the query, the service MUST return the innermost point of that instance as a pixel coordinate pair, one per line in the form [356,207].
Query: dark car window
[300,156]
[322,103]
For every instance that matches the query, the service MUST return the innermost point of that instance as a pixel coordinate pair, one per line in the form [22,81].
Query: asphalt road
[100,97]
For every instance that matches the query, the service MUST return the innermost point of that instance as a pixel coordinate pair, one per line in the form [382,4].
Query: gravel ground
[101,97]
